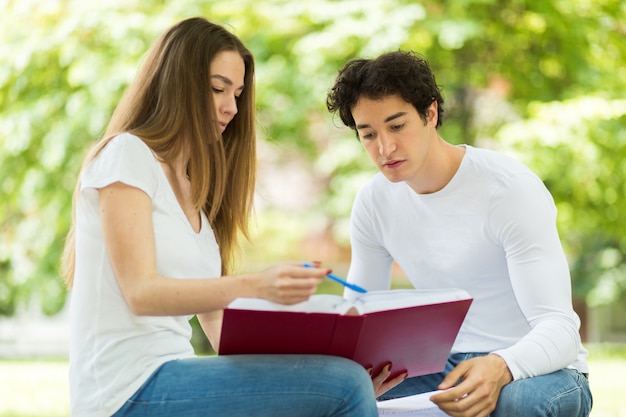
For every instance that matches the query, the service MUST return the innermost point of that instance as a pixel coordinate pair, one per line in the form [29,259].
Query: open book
[414,330]
[417,405]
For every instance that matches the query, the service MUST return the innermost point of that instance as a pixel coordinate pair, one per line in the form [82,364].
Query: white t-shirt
[113,351]
[490,231]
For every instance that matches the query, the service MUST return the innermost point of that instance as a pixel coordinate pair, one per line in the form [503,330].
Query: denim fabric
[255,385]
[563,393]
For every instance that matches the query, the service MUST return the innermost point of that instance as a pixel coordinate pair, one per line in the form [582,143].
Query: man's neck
[443,164]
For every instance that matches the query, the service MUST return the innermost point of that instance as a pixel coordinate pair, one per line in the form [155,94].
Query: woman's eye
[397,127]
[217,90]
[367,135]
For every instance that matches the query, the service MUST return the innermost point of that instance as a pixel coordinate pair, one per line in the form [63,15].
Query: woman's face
[227,84]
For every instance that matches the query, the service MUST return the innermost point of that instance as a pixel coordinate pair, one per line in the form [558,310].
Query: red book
[414,330]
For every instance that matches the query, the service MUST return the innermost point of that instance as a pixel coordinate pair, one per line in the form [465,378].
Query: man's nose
[386,145]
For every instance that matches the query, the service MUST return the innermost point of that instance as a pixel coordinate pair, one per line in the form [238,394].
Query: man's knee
[563,393]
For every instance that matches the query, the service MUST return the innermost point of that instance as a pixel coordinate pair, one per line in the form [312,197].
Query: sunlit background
[543,81]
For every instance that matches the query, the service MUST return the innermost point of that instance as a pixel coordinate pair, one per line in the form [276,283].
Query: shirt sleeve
[523,218]
[370,265]
[126,159]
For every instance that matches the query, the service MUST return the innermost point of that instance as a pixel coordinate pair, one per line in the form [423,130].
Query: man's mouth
[392,163]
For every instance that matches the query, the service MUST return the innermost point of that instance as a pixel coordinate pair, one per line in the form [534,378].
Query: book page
[395,299]
[417,405]
[367,303]
[318,303]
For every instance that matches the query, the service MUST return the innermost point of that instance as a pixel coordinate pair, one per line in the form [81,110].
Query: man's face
[395,136]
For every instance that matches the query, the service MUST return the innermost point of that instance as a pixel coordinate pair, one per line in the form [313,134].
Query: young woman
[158,208]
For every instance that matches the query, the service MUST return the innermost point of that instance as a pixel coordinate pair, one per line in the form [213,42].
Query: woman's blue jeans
[563,393]
[255,385]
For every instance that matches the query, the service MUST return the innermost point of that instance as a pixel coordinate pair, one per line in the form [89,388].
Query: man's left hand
[477,395]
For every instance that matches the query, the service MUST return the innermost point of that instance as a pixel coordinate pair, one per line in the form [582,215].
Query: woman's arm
[126,214]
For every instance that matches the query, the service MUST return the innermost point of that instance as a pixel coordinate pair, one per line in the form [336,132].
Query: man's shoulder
[499,171]
[497,161]
[379,194]
[378,184]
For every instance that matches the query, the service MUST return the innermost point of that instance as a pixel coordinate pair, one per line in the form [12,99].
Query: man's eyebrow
[388,119]
[225,80]
[395,116]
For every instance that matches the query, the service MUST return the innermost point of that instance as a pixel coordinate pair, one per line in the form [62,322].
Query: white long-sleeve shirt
[491,231]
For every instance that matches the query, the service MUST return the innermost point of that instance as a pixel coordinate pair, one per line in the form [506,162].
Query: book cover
[414,338]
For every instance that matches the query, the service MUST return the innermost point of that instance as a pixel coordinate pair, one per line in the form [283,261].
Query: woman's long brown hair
[170,107]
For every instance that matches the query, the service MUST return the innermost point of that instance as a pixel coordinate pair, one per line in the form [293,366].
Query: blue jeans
[255,385]
[563,393]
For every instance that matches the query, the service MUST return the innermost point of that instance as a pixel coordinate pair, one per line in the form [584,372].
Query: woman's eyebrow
[225,80]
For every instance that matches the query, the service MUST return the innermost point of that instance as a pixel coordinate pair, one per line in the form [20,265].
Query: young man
[459,216]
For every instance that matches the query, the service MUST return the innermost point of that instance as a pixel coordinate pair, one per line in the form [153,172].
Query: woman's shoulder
[127,142]
[127,149]
[124,158]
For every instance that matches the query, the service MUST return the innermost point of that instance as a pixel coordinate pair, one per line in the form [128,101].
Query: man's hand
[381,385]
[478,393]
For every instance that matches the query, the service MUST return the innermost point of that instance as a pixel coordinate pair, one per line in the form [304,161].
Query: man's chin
[393,178]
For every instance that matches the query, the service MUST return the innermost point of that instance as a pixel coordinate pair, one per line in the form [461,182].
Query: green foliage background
[543,80]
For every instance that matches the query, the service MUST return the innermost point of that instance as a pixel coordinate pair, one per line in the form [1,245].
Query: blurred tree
[64,65]
[577,146]
[504,65]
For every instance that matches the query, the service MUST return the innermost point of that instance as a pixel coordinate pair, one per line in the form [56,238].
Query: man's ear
[432,115]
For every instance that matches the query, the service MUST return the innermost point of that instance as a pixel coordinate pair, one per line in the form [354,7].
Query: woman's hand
[381,385]
[289,283]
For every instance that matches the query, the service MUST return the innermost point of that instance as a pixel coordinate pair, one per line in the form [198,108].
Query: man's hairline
[379,98]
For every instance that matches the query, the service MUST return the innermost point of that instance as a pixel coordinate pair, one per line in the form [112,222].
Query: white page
[417,405]
[396,299]
[369,302]
[318,303]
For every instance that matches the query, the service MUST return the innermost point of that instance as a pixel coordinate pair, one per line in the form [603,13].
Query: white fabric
[490,231]
[113,351]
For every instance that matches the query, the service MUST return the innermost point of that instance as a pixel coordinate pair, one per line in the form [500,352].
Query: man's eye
[397,127]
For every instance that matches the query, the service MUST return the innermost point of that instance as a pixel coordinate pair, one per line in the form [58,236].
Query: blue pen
[339,280]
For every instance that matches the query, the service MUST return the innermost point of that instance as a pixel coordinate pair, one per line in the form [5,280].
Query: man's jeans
[563,393]
[255,385]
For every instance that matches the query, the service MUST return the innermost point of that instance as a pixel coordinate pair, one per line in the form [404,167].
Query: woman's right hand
[289,283]
[382,383]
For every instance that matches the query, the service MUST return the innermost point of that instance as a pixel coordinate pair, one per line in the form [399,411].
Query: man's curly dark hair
[394,73]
